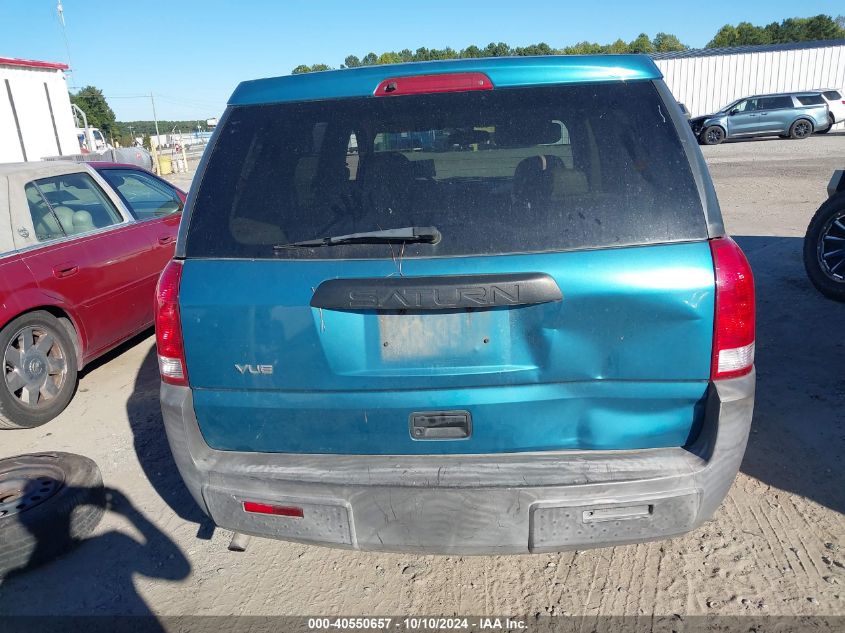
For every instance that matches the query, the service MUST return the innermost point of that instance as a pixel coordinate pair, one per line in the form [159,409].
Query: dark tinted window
[501,171]
[774,103]
[810,100]
[833,95]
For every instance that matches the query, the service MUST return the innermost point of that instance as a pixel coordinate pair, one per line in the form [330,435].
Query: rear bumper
[470,504]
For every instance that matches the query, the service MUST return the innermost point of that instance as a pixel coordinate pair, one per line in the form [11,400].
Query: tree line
[819,27]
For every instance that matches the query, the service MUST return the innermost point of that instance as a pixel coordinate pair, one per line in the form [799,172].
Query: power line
[60,16]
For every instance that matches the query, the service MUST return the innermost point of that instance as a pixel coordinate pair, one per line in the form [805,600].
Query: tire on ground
[823,282]
[47,529]
[712,135]
[801,129]
[14,414]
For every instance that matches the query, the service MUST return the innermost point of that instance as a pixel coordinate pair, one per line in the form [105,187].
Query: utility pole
[154,148]
[153,101]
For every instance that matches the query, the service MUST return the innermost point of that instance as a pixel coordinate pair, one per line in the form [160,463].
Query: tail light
[733,333]
[171,350]
[424,84]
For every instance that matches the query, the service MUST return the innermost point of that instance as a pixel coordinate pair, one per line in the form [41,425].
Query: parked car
[148,196]
[836,106]
[824,242]
[792,115]
[536,346]
[79,261]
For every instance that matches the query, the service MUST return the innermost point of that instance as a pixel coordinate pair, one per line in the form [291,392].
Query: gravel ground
[776,546]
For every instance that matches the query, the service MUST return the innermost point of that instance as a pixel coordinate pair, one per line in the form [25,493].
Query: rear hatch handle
[443,292]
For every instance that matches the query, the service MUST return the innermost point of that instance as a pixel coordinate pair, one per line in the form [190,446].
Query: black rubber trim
[451,292]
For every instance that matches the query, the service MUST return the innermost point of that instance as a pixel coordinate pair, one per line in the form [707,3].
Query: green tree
[641,45]
[389,58]
[499,49]
[666,42]
[747,33]
[302,68]
[92,102]
[818,27]
[823,27]
[471,52]
[618,47]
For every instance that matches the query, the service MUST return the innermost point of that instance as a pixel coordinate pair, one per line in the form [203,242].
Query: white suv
[836,103]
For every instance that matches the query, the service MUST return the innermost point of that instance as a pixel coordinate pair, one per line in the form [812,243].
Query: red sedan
[81,249]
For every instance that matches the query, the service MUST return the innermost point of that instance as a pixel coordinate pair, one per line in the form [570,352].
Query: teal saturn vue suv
[470,306]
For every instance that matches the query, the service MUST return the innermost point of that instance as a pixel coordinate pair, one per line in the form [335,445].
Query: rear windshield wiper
[426,234]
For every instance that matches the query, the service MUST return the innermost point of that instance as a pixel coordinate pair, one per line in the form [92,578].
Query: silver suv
[788,115]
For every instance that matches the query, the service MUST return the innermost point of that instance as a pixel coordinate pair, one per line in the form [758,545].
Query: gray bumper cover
[470,504]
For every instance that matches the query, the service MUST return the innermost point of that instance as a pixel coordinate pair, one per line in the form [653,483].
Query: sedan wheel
[39,370]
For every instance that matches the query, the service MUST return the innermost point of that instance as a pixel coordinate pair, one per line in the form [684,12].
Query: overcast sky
[192,54]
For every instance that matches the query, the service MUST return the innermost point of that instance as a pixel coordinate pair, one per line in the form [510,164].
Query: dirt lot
[776,546]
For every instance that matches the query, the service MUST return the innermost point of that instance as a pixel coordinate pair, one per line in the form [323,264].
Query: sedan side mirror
[733,112]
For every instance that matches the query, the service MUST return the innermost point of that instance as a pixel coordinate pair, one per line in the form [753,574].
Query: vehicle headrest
[83,222]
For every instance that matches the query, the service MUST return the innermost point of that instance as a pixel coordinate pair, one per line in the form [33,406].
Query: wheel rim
[714,135]
[22,487]
[35,367]
[802,128]
[831,248]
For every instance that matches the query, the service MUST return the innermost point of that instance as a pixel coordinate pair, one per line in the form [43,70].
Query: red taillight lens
[265,508]
[733,332]
[171,351]
[421,84]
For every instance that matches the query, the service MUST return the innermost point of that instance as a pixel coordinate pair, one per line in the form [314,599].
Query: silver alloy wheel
[802,129]
[25,486]
[35,367]
[831,248]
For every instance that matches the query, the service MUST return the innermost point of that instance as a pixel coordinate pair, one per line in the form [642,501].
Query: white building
[707,79]
[35,115]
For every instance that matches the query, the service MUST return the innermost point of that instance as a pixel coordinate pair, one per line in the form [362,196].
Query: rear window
[832,95]
[500,171]
[810,100]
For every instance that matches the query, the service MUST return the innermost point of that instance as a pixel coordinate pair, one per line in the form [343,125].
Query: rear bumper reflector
[265,508]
